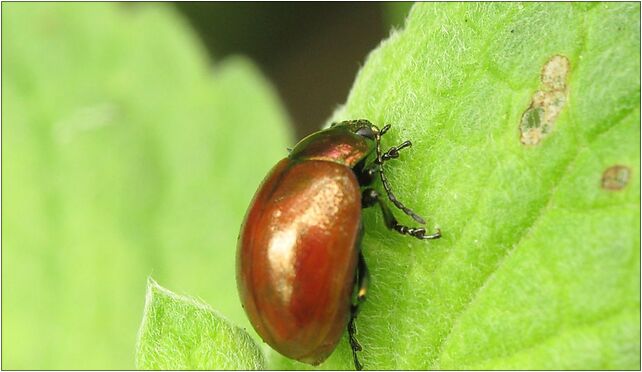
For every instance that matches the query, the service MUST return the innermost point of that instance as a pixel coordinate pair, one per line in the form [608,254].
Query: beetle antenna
[386,185]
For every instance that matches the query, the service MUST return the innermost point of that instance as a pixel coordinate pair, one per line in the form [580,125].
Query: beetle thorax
[335,144]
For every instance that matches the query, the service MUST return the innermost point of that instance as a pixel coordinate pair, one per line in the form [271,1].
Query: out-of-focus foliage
[124,154]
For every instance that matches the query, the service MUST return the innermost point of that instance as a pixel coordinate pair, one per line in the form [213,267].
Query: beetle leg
[393,152]
[368,173]
[362,283]
[370,196]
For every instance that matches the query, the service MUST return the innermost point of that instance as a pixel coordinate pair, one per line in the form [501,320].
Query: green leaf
[125,152]
[179,332]
[539,264]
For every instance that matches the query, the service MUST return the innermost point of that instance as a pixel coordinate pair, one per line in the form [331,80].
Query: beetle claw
[354,344]
[358,366]
[436,235]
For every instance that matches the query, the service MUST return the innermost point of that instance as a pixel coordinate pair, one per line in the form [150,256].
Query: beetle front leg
[370,196]
[362,285]
[369,172]
[393,152]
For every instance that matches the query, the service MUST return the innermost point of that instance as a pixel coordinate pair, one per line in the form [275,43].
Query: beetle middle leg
[362,287]
[377,166]
[370,197]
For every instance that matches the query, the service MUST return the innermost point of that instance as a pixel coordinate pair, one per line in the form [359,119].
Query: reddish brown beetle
[300,272]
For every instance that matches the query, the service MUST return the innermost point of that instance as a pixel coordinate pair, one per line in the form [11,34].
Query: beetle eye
[366,132]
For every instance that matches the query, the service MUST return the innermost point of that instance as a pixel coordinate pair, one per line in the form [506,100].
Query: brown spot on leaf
[615,177]
[554,73]
[547,103]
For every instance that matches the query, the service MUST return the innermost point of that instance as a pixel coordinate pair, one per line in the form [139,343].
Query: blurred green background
[133,140]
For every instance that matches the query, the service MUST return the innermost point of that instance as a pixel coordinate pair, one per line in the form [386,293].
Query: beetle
[300,272]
